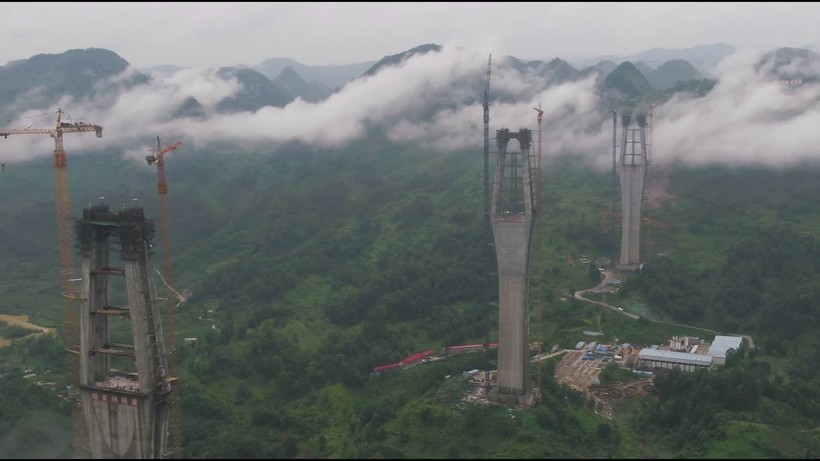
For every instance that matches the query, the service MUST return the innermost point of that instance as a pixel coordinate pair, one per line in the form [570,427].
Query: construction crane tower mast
[649,128]
[65,226]
[650,173]
[487,227]
[538,247]
[487,140]
[175,416]
[613,194]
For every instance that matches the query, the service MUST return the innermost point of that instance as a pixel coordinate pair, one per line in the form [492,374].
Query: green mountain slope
[257,91]
[311,266]
[42,79]
[316,265]
[627,84]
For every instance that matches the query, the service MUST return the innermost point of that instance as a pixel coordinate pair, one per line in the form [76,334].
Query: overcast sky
[222,34]
[746,118]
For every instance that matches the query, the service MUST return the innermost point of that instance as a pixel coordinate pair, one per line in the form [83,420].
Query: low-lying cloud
[747,118]
[435,101]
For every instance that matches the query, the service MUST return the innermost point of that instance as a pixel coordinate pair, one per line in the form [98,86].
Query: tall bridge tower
[512,217]
[632,172]
[123,383]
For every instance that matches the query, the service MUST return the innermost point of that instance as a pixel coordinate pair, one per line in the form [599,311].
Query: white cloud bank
[435,100]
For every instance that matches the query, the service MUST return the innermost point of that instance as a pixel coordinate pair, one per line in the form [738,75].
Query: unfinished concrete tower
[511,217]
[632,172]
[125,408]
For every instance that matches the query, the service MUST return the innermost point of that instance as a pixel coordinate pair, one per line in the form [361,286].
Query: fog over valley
[434,99]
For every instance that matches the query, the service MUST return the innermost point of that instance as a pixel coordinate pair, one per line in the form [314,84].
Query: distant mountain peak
[290,81]
[289,76]
[790,64]
[399,58]
[627,81]
[257,91]
[700,56]
[78,73]
[329,76]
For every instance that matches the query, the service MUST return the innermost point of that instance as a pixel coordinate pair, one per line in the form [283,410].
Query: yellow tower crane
[67,269]
[158,158]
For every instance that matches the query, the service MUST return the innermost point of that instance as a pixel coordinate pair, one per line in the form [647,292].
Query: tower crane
[539,238]
[65,227]
[158,158]
[488,227]
[651,186]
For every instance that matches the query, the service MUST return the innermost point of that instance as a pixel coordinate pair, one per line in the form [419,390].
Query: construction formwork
[125,408]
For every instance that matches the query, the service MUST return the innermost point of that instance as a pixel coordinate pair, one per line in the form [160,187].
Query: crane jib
[53,132]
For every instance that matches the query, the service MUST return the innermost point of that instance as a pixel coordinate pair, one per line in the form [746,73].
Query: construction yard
[579,373]
[575,372]
[579,370]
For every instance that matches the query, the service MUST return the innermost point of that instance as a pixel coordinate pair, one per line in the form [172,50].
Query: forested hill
[310,266]
[101,74]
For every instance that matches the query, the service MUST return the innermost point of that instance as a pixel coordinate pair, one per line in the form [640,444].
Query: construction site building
[126,408]
[632,173]
[511,218]
[651,359]
[724,346]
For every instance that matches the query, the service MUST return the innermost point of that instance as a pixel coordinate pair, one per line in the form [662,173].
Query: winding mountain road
[608,279]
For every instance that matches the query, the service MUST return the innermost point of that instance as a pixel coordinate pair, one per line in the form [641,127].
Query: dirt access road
[609,277]
[22,321]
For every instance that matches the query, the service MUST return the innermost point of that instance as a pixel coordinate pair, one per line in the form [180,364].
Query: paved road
[609,277]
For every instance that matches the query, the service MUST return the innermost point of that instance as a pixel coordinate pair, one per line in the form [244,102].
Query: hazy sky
[219,34]
[747,118]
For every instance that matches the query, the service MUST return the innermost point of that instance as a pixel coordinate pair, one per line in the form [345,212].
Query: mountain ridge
[98,72]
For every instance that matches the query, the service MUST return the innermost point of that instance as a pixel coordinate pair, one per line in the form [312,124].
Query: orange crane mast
[65,228]
[158,157]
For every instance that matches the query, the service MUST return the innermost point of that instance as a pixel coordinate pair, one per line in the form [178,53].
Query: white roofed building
[723,346]
[650,359]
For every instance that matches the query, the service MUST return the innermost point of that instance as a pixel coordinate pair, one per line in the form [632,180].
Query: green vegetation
[628,84]
[45,78]
[14,331]
[35,421]
[313,274]
[309,267]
